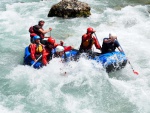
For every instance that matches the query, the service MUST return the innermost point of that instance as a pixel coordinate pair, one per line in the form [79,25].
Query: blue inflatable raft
[111,61]
[29,61]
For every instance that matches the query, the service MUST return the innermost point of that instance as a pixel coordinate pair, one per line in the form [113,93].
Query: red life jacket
[35,50]
[87,42]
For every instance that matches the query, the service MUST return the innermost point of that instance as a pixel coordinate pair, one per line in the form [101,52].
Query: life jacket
[35,50]
[35,29]
[31,29]
[39,48]
[86,43]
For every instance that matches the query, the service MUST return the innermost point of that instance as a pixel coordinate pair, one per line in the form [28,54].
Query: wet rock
[70,8]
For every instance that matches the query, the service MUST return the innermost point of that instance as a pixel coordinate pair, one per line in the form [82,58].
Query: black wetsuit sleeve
[116,43]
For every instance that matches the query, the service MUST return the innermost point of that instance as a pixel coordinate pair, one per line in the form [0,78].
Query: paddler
[88,40]
[36,49]
[110,44]
[38,30]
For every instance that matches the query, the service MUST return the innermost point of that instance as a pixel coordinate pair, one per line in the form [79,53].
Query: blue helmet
[36,37]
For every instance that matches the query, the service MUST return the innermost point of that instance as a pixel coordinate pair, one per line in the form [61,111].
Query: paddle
[135,72]
[96,53]
[36,61]
[97,40]
[50,33]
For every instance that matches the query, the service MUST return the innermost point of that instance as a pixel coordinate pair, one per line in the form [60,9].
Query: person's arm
[45,31]
[46,36]
[32,48]
[67,48]
[119,48]
[61,43]
[55,45]
[109,40]
[97,45]
[44,57]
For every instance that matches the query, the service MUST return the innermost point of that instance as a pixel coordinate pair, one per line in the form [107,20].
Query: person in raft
[50,45]
[110,44]
[60,52]
[50,50]
[38,30]
[88,40]
[36,52]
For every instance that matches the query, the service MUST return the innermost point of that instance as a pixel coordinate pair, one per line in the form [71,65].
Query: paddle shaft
[96,38]
[128,61]
[36,61]
[98,42]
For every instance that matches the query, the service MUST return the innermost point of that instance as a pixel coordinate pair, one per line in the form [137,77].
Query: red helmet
[51,40]
[90,30]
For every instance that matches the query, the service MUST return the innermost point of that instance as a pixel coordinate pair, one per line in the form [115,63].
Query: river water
[86,88]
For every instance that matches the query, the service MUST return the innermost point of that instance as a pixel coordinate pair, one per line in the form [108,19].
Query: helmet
[59,48]
[36,38]
[90,30]
[51,40]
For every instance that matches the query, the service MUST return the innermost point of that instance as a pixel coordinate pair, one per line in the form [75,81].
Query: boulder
[70,8]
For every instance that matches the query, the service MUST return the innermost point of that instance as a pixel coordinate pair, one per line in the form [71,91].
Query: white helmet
[59,49]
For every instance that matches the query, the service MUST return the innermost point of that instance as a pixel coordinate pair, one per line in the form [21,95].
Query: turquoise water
[86,88]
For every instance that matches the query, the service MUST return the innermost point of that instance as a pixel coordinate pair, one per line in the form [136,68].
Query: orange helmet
[90,30]
[51,41]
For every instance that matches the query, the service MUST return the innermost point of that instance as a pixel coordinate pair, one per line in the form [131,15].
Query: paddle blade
[135,72]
